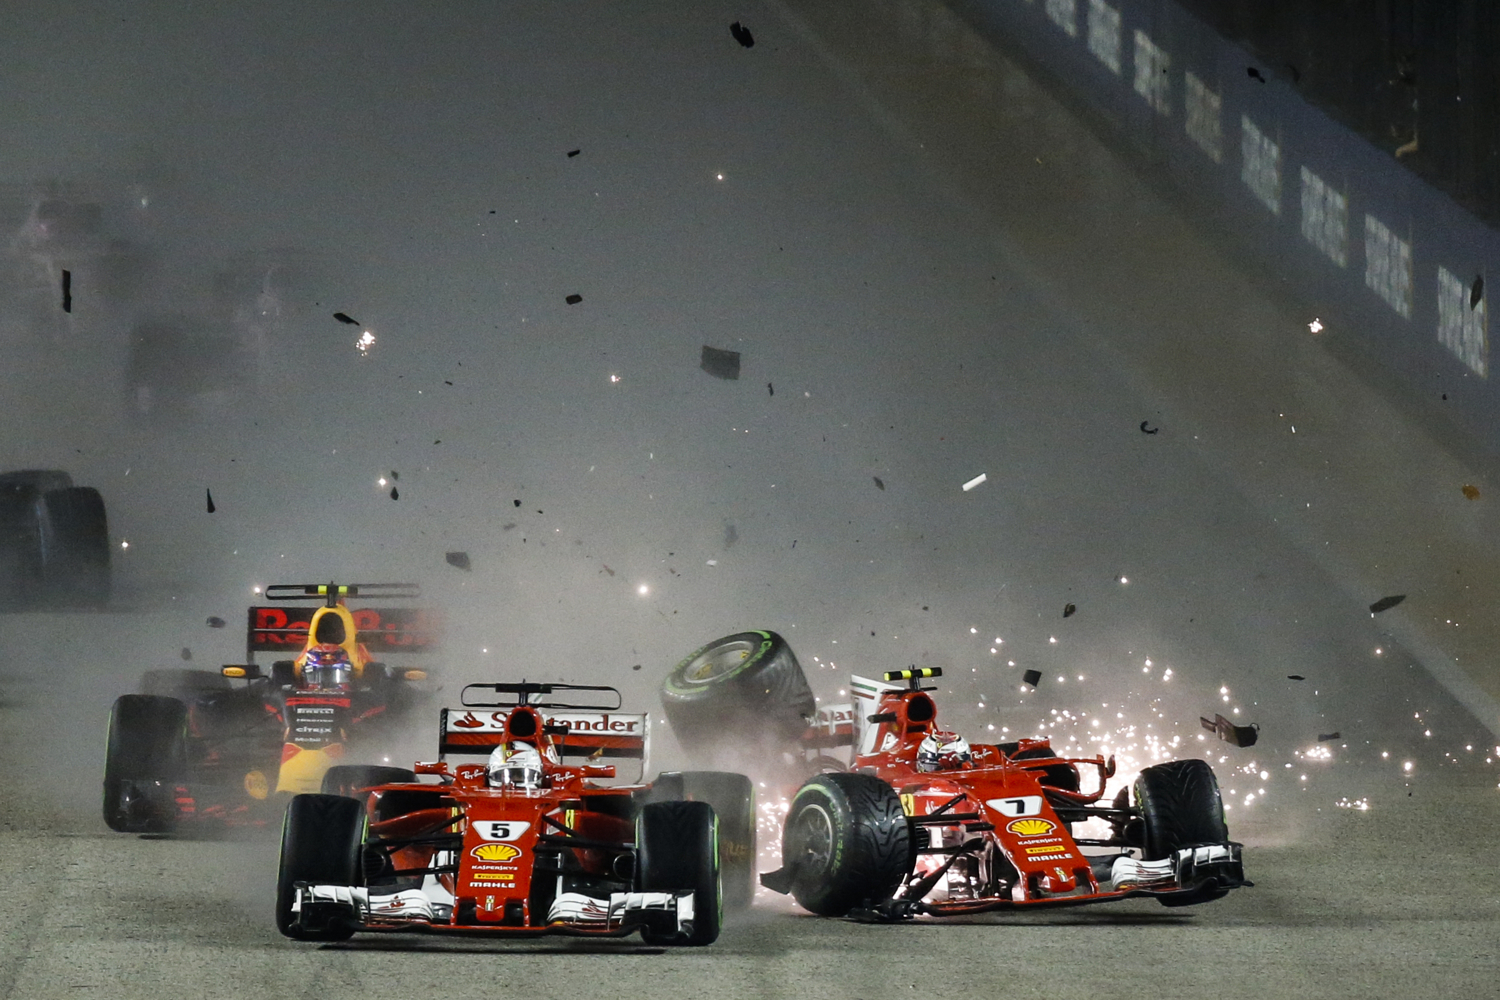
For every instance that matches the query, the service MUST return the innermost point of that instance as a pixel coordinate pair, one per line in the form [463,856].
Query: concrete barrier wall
[1381,257]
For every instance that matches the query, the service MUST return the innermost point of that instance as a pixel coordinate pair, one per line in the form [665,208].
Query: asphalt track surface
[933,269]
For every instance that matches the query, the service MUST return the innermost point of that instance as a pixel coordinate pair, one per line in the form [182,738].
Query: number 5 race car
[191,747]
[923,823]
[522,843]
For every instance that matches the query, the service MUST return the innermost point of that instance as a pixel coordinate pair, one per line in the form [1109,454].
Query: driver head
[326,667]
[942,751]
[515,765]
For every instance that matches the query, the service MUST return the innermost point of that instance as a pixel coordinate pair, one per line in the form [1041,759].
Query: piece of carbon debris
[878,482]
[395,493]
[346,318]
[573,300]
[742,34]
[572,153]
[446,382]
[1069,609]
[507,527]
[1476,294]
[1325,737]
[214,621]
[395,475]
[210,494]
[67,290]
[187,654]
[720,364]
[1471,491]
[770,388]
[1239,736]
[1146,427]
[1386,603]
[636,667]
[608,570]
[1295,677]
[459,560]
[518,503]
[1032,677]
[1254,74]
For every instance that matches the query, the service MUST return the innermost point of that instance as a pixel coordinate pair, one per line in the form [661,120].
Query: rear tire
[145,760]
[350,780]
[321,840]
[1180,807]
[846,842]
[733,799]
[677,850]
[738,690]
[74,536]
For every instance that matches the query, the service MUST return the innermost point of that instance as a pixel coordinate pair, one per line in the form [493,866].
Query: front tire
[677,850]
[733,799]
[846,842]
[321,840]
[1180,806]
[145,760]
[737,690]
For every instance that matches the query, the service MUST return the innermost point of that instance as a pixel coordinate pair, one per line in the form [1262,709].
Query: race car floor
[932,269]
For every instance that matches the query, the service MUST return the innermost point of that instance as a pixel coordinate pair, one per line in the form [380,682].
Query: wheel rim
[812,839]
[721,661]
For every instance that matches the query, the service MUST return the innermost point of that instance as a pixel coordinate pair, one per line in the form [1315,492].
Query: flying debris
[742,34]
[67,290]
[608,570]
[1476,294]
[395,493]
[1295,677]
[187,654]
[770,388]
[395,475]
[573,300]
[1069,609]
[346,318]
[1239,736]
[1471,491]
[214,621]
[1254,74]
[459,560]
[636,667]
[1316,326]
[1386,603]
[1032,677]
[975,481]
[573,152]
[1146,428]
[210,494]
[720,364]
[878,482]
[1325,737]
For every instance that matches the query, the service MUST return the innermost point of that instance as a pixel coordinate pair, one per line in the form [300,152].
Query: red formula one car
[525,842]
[194,747]
[923,823]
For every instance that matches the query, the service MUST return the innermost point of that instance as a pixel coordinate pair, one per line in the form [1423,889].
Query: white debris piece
[975,482]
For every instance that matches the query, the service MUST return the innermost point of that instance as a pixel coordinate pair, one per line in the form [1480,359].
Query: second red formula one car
[521,843]
[924,823]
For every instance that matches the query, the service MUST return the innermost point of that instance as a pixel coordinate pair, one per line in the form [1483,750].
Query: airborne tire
[677,849]
[1180,807]
[736,691]
[74,534]
[349,780]
[733,799]
[321,841]
[145,759]
[846,842]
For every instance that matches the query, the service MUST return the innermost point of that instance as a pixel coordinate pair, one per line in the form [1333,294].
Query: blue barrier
[1387,260]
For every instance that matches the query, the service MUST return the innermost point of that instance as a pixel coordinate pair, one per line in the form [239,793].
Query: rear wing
[866,702]
[589,735]
[381,630]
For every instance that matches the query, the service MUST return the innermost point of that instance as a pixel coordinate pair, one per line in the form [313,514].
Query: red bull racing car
[534,839]
[194,746]
[924,823]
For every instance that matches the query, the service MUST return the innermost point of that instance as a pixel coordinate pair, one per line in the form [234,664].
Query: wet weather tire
[1180,807]
[677,850]
[74,534]
[736,690]
[846,842]
[349,780]
[145,759]
[733,799]
[321,840]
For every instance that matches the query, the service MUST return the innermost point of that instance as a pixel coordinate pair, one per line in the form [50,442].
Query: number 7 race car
[192,747]
[526,842]
[923,823]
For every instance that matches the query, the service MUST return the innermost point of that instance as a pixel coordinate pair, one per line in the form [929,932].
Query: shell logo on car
[1031,827]
[496,852]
